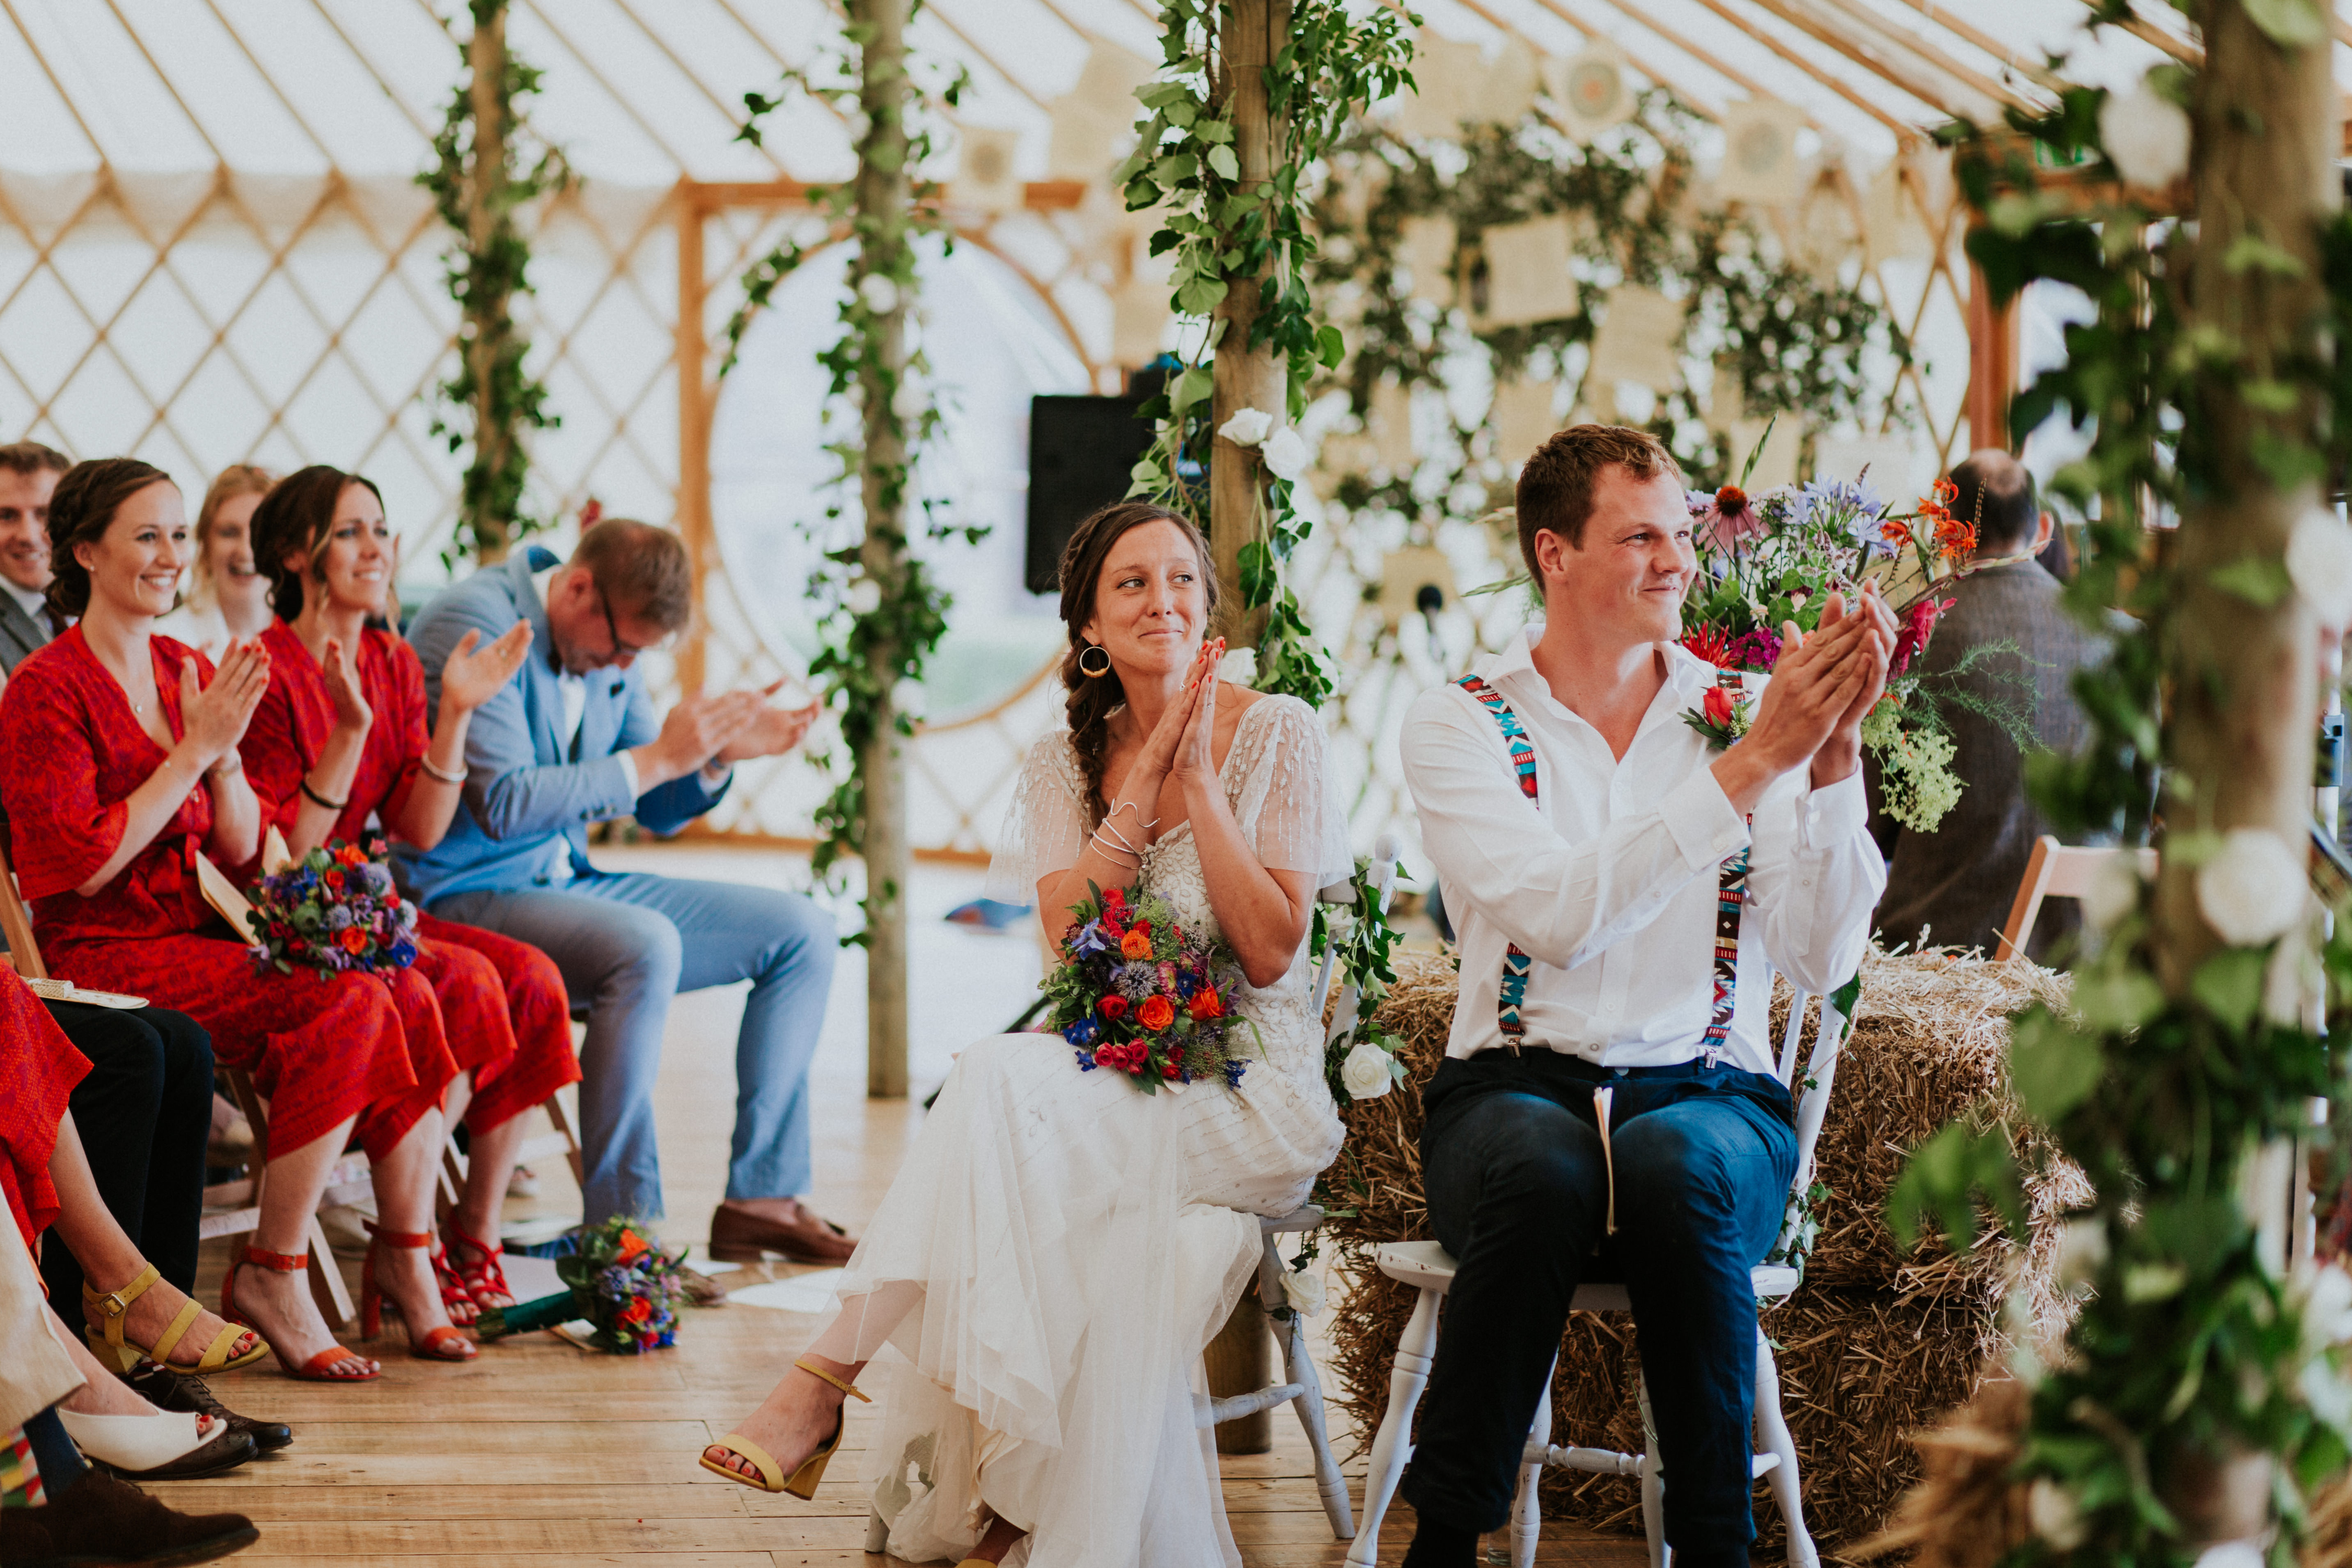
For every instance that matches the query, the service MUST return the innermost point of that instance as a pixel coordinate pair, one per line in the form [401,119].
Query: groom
[1623,892]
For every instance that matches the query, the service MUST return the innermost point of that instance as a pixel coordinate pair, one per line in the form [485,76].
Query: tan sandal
[122,1353]
[801,1483]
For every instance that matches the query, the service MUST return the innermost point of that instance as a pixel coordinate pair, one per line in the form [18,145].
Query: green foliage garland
[876,626]
[1329,70]
[478,179]
[2193,1347]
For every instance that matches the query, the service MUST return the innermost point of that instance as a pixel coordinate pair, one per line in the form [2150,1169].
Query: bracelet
[1130,805]
[431,771]
[1114,833]
[232,764]
[318,799]
[1096,840]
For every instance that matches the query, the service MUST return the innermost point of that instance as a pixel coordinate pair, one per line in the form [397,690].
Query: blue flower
[1083,1033]
[404,952]
[1233,1070]
[1086,1060]
[1089,940]
[1847,504]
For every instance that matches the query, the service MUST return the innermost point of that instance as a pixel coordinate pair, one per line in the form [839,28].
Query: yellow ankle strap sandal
[801,1483]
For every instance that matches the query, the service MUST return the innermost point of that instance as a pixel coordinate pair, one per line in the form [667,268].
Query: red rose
[1206,1004]
[1115,899]
[334,879]
[1174,1069]
[1157,1013]
[1718,706]
[1112,1006]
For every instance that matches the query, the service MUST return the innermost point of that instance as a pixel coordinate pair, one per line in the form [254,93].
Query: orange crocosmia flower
[632,1243]
[1157,1013]
[352,939]
[1135,944]
[350,855]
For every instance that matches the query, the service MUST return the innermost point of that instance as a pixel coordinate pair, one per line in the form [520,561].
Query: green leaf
[1201,296]
[1222,160]
[1197,384]
[2290,24]
[2259,580]
[1330,348]
[1942,1180]
[2053,1068]
[2230,984]
[1257,572]
[2118,1001]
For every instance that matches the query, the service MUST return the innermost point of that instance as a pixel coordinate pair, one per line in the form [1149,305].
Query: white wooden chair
[2057,871]
[1301,1387]
[1426,1266]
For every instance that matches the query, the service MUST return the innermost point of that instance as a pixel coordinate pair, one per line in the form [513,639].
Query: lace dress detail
[1070,1245]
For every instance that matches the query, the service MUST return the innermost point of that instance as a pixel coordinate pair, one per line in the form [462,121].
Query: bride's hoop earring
[1094,674]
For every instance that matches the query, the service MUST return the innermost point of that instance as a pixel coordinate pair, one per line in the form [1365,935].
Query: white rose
[2056,1516]
[2319,562]
[2114,892]
[908,402]
[2081,1250]
[2146,135]
[880,294]
[1239,666]
[1286,455]
[1247,427]
[1305,1288]
[2253,889]
[864,596]
[1365,1074]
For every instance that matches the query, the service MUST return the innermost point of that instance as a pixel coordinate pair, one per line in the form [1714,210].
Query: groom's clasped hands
[1822,686]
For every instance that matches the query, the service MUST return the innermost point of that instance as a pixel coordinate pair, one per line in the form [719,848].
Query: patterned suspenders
[1731,892]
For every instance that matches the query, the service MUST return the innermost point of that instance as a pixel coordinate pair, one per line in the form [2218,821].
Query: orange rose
[1206,1004]
[631,1244]
[334,880]
[1135,944]
[350,855]
[1157,1013]
[352,939]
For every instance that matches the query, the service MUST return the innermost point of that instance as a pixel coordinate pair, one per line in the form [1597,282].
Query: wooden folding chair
[231,1208]
[2057,871]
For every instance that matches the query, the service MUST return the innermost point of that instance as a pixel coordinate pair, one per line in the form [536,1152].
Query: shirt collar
[1688,674]
[32,600]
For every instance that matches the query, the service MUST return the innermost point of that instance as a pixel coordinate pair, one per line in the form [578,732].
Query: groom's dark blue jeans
[1518,1194]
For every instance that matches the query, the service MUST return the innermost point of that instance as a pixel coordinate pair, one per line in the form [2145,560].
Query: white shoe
[137,1444]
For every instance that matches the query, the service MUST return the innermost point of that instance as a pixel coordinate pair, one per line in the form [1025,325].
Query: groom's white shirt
[1609,883]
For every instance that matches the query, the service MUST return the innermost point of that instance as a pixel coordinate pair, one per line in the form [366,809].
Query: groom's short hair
[1556,486]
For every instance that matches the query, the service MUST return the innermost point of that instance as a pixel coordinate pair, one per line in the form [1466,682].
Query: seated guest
[227,597]
[28,475]
[573,739]
[340,740]
[1589,841]
[119,768]
[1958,881]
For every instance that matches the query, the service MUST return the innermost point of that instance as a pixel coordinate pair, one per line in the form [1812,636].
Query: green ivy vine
[880,612]
[484,169]
[1327,72]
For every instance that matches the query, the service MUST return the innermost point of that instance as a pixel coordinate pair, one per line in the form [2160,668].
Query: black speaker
[1082,451]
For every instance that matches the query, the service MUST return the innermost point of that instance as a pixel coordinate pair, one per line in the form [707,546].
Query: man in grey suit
[29,472]
[1959,880]
[574,740]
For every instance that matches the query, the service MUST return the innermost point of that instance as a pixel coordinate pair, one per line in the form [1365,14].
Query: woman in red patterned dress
[117,766]
[341,739]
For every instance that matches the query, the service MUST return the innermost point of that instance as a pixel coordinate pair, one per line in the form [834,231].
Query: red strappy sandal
[484,1279]
[315,1369]
[455,1300]
[441,1343]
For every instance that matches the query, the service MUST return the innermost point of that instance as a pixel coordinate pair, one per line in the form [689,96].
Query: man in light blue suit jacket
[573,739]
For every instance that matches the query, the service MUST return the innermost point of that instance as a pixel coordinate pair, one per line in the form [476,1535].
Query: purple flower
[1725,519]
[1089,940]
[1086,1060]
[1136,980]
[372,879]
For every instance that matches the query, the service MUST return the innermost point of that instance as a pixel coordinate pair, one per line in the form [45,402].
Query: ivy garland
[479,176]
[1329,70]
[1798,342]
[2193,1348]
[880,612]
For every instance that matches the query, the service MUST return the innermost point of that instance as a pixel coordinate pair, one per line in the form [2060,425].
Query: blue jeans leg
[622,963]
[784,945]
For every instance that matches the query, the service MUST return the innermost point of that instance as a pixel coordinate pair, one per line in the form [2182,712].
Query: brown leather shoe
[101,1519]
[745,1230]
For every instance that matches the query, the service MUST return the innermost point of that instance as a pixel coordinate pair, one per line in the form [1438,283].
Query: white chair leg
[1298,1367]
[877,1534]
[1392,1444]
[1772,1438]
[1653,1515]
[1526,1507]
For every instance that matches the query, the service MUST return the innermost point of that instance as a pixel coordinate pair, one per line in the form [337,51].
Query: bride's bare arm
[1264,914]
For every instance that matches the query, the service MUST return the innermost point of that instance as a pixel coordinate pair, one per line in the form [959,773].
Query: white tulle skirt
[1036,1290]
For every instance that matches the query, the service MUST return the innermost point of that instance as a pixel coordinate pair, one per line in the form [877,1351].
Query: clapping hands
[1824,685]
[213,717]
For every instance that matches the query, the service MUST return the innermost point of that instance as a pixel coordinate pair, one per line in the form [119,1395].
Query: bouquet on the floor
[334,910]
[1767,560]
[1141,995]
[626,1286]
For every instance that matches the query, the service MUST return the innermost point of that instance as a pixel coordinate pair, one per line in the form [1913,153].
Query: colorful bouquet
[335,908]
[626,1286]
[1768,559]
[1141,995]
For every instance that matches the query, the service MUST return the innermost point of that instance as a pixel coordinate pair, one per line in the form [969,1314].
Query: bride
[1059,1248]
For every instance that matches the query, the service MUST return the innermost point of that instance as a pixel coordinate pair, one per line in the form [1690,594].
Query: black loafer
[166,1388]
[99,1520]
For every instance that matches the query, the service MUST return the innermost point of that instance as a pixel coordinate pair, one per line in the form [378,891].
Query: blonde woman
[226,597]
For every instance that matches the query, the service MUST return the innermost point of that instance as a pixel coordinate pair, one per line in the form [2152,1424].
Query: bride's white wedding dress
[1059,1248]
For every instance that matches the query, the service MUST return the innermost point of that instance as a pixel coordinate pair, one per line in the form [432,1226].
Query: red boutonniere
[1723,716]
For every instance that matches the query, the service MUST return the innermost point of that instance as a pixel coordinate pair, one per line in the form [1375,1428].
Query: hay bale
[1874,1345]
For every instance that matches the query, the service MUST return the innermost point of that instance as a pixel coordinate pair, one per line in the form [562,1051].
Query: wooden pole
[1251,34]
[1992,365]
[2243,676]
[881,225]
[486,303]
[693,508]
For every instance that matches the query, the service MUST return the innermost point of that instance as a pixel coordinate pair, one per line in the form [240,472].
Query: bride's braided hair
[1093,699]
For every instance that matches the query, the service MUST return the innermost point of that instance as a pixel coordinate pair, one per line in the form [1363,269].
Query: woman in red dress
[339,739]
[118,766]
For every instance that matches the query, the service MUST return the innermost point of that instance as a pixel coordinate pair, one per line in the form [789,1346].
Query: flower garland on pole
[2212,1007]
[484,168]
[881,611]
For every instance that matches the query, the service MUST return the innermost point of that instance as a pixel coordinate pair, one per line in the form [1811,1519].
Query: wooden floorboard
[539,1454]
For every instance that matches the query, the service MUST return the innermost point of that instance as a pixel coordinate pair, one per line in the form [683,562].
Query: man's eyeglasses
[621,647]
